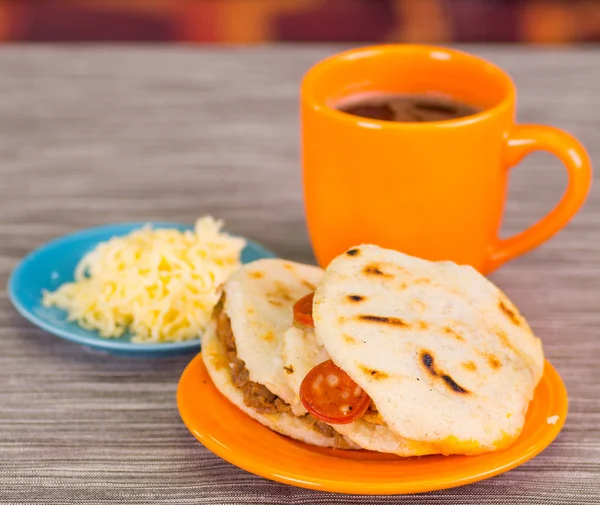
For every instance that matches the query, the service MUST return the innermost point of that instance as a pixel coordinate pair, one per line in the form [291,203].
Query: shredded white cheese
[159,284]
[552,419]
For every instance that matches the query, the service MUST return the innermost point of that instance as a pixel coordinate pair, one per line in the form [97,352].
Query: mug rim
[314,73]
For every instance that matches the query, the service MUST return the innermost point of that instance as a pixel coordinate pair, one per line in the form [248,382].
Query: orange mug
[434,190]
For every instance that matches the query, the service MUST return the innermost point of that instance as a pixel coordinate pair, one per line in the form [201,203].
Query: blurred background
[254,21]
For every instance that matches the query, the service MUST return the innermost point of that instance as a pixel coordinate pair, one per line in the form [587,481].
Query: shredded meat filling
[256,395]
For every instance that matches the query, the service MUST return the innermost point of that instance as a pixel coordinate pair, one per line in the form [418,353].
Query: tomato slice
[303,310]
[330,395]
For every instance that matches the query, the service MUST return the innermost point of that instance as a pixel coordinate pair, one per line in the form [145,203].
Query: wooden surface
[97,135]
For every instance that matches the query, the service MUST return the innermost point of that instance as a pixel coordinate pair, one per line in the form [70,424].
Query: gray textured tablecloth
[97,135]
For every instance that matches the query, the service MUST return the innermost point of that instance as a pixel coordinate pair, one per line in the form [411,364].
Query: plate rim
[285,476]
[96,341]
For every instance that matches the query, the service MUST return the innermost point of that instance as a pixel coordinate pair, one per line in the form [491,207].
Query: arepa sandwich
[241,348]
[412,357]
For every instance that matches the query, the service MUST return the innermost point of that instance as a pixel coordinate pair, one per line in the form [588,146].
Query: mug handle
[523,140]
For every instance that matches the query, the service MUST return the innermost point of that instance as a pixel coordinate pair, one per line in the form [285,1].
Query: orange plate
[232,435]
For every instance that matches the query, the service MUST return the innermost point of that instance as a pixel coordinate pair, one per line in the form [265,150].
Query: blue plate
[53,264]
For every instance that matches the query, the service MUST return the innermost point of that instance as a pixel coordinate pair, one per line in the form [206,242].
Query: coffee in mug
[405,108]
[384,165]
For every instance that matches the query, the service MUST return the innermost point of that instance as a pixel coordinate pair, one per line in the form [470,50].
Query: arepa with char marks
[242,347]
[259,300]
[445,356]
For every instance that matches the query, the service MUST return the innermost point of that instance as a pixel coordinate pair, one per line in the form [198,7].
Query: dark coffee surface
[407,108]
